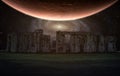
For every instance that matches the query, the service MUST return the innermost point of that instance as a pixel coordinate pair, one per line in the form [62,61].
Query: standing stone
[111,43]
[82,42]
[53,46]
[90,44]
[12,42]
[75,44]
[101,46]
[38,34]
[60,42]
[46,44]
[30,42]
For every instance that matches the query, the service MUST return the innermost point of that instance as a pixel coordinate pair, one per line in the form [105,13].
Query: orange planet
[60,10]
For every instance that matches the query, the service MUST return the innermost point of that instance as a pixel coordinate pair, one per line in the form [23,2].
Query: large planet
[60,10]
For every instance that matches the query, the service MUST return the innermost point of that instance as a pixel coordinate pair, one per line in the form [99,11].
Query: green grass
[59,59]
[59,63]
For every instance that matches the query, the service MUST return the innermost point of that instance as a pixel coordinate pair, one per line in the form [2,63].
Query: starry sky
[105,22]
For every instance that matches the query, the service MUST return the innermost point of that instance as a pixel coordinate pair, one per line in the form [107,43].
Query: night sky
[105,22]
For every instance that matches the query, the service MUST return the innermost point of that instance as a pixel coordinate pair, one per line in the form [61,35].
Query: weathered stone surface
[66,42]
[111,44]
[102,44]
[91,43]
[12,42]
[60,42]
[46,44]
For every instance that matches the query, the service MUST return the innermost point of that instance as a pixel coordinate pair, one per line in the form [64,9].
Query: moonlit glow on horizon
[50,27]
[60,27]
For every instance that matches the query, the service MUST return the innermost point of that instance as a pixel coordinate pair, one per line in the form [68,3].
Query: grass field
[59,64]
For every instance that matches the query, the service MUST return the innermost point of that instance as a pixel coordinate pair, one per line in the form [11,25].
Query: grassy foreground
[59,64]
